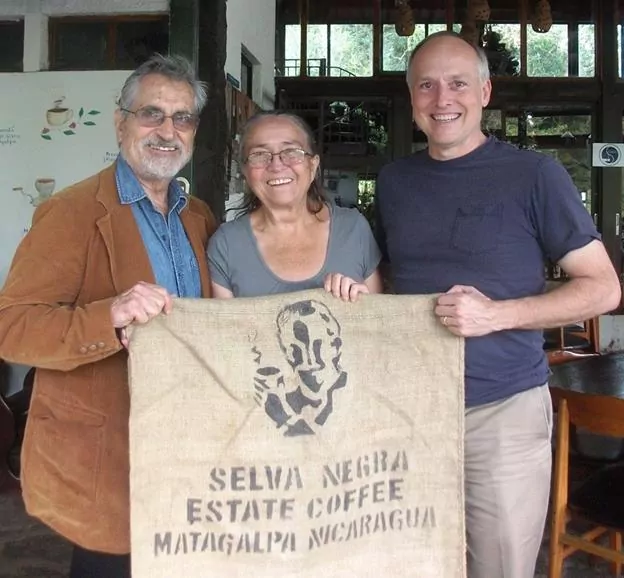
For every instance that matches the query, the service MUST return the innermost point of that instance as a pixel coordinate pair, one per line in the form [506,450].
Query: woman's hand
[344,287]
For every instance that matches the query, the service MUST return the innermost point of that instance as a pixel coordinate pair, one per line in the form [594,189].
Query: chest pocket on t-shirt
[477,228]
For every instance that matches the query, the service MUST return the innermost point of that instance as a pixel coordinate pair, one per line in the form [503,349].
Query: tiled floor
[29,550]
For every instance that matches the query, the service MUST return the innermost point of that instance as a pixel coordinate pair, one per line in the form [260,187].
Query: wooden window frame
[14,21]
[112,23]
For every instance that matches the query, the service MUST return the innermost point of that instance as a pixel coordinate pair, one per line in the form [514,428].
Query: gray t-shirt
[236,263]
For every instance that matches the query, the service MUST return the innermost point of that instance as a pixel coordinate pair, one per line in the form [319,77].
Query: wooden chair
[563,344]
[599,499]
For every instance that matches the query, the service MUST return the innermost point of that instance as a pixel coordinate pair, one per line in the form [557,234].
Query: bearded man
[106,253]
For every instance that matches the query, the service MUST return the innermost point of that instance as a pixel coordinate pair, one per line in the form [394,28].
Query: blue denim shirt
[170,253]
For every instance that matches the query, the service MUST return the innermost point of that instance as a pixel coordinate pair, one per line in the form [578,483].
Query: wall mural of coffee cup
[44,187]
[60,119]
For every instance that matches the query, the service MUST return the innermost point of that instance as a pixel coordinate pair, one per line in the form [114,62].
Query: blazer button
[92,347]
[83,349]
[101,345]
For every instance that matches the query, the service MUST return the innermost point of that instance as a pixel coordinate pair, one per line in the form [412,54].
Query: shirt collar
[130,190]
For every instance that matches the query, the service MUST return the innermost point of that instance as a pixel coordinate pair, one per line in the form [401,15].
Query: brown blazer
[83,249]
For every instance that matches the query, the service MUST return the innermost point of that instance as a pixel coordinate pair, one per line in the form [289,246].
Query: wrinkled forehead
[273,131]
[160,91]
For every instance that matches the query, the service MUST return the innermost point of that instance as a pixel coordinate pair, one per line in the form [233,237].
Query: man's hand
[139,304]
[466,312]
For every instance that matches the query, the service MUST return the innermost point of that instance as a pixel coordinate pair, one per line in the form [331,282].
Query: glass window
[547,53]
[292,50]
[137,41]
[317,50]
[619,42]
[351,48]
[587,50]
[106,43]
[502,46]
[79,46]
[11,45]
[397,49]
[332,50]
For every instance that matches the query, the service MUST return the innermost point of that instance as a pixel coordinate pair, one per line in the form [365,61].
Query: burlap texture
[297,436]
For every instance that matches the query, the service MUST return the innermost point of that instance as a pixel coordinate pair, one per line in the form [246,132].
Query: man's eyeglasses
[289,157]
[151,117]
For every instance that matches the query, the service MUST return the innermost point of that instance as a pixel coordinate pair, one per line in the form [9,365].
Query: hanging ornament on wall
[542,16]
[479,11]
[404,24]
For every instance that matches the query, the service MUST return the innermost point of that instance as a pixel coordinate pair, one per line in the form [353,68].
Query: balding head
[481,57]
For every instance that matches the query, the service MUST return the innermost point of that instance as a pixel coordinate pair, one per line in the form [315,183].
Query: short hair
[173,67]
[483,64]
[317,198]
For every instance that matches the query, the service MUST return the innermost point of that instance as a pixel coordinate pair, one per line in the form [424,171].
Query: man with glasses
[108,252]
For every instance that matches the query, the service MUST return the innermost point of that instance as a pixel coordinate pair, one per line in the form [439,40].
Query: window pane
[619,38]
[547,53]
[292,50]
[587,50]
[396,49]
[80,46]
[137,41]
[351,49]
[433,28]
[12,46]
[317,49]
[503,49]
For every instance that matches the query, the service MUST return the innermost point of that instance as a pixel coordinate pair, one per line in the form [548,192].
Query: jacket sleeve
[41,322]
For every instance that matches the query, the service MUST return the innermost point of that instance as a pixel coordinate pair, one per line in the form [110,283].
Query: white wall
[36,143]
[252,25]
[71,7]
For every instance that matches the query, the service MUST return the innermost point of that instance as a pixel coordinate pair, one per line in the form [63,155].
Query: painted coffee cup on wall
[59,115]
[45,186]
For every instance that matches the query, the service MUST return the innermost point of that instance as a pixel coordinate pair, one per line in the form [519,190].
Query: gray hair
[264,114]
[316,196]
[483,64]
[173,67]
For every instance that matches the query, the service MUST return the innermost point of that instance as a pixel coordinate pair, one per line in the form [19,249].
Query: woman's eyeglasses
[151,117]
[290,157]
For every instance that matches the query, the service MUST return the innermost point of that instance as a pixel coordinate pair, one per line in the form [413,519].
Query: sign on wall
[606,154]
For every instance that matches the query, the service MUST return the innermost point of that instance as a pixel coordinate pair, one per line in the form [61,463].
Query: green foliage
[351,48]
[547,54]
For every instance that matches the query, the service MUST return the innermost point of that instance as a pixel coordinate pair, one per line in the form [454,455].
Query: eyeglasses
[289,157]
[151,117]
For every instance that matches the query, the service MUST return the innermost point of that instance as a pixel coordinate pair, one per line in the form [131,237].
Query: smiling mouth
[277,182]
[444,118]
[163,148]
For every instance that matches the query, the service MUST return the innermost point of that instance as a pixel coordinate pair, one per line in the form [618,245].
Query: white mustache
[163,143]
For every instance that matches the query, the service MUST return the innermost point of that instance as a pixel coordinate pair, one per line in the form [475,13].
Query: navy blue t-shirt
[488,219]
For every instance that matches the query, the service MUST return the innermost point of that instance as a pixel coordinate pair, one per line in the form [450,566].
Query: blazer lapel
[128,258]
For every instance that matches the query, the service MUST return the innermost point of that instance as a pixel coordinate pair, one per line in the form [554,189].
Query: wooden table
[600,375]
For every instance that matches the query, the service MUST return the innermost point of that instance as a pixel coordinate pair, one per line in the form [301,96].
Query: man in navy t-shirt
[475,219]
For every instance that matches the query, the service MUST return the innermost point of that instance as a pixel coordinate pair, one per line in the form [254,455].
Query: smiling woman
[289,236]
